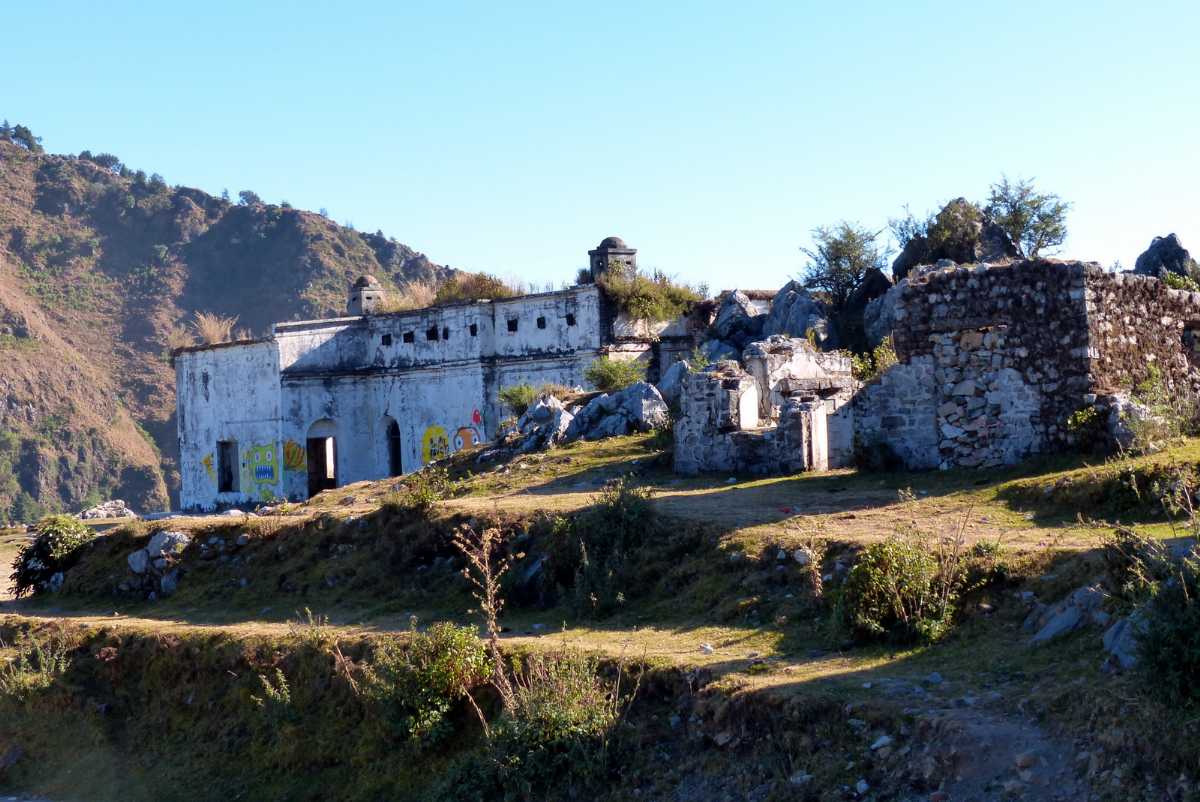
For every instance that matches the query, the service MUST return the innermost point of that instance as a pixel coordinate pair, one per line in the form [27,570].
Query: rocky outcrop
[548,422]
[1165,255]
[961,233]
[671,383]
[794,313]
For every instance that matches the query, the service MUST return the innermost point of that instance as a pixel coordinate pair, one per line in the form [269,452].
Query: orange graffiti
[294,458]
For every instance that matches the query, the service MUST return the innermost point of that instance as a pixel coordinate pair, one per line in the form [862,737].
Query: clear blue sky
[711,136]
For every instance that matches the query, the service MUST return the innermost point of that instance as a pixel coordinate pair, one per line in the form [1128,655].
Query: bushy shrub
[607,374]
[1134,566]
[474,287]
[648,297]
[1178,282]
[1169,642]
[35,667]
[422,490]
[54,549]
[518,398]
[904,588]
[894,592]
[417,686]
[557,723]
[869,365]
[589,553]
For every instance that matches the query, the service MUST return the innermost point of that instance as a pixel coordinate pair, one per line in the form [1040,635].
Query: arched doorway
[322,457]
[392,432]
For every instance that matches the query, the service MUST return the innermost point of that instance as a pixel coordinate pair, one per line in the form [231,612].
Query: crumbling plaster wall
[228,393]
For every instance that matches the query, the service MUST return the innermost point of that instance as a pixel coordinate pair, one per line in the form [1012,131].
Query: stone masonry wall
[1135,322]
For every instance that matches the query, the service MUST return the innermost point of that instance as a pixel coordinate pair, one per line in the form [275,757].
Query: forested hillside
[101,268]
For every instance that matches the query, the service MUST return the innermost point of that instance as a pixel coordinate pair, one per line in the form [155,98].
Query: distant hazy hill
[98,264]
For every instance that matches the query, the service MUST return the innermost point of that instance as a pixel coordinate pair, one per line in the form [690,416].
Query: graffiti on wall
[207,462]
[294,458]
[261,468]
[435,444]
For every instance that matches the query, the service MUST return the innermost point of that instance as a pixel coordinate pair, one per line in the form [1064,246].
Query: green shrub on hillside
[557,724]
[518,398]
[422,490]
[590,553]
[1169,643]
[894,592]
[418,686]
[36,665]
[607,374]
[54,549]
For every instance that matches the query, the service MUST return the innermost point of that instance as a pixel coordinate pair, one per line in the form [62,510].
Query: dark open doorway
[395,463]
[322,459]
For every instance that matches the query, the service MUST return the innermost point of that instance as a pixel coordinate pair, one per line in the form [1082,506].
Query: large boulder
[719,350]
[879,315]
[671,383]
[1165,255]
[737,321]
[794,312]
[164,544]
[643,405]
[639,407]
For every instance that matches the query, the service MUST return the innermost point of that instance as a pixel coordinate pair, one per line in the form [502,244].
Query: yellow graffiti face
[294,458]
[261,464]
[208,467]
[435,444]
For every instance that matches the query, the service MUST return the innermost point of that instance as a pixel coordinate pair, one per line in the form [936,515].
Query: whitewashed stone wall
[436,372]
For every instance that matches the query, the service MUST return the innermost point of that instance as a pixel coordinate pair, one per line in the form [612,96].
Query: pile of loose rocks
[549,422]
[115,508]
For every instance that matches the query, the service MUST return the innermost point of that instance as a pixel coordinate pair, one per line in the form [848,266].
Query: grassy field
[713,606]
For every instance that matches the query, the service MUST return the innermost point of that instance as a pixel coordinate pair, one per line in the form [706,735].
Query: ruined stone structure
[327,402]
[770,417]
[993,361]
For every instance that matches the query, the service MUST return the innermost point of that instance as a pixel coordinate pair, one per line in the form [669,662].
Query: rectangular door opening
[322,464]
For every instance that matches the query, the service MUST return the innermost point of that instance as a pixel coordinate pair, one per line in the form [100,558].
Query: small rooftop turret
[365,296]
[612,252]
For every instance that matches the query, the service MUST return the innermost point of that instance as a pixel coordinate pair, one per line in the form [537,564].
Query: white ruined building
[324,403]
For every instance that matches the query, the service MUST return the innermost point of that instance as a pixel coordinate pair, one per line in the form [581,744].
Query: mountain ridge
[100,269]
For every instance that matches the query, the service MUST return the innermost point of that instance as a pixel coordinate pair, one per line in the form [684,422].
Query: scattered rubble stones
[115,508]
[154,568]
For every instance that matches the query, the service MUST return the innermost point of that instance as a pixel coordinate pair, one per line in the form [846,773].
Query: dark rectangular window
[474,329]
[512,324]
[408,336]
[445,332]
[570,319]
[227,466]
[541,322]
[387,339]
[431,334]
